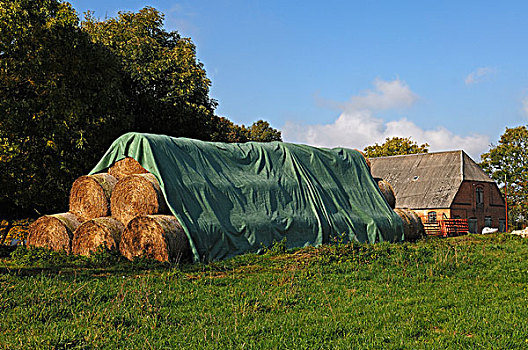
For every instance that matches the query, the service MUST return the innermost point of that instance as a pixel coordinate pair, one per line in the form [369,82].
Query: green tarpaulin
[238,198]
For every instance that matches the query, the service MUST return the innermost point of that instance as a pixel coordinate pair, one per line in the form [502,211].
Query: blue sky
[351,73]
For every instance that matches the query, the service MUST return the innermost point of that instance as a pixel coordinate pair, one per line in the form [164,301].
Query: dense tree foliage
[508,162]
[60,103]
[260,131]
[168,89]
[395,146]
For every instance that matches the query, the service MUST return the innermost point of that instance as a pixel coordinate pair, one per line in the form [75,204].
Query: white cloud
[358,127]
[388,95]
[478,75]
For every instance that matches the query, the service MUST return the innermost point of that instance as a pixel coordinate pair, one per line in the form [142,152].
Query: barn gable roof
[427,180]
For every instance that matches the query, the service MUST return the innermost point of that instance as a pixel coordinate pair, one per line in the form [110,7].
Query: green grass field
[465,292]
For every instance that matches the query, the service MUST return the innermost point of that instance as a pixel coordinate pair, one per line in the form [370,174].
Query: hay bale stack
[91,234]
[125,167]
[387,191]
[158,237]
[90,196]
[412,224]
[135,195]
[53,231]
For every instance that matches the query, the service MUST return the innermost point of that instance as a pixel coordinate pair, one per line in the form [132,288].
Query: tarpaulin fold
[233,198]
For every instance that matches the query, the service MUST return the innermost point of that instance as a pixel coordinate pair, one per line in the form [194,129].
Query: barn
[449,191]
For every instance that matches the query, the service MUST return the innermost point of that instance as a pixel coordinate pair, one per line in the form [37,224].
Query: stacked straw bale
[138,194]
[53,231]
[159,237]
[115,210]
[387,191]
[125,167]
[93,233]
[90,196]
[412,224]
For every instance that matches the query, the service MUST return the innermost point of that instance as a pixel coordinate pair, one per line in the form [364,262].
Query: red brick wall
[465,204]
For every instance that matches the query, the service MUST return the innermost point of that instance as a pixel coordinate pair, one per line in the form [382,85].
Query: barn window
[431,216]
[479,195]
[472,225]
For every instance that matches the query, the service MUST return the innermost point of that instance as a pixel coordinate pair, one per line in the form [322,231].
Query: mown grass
[464,292]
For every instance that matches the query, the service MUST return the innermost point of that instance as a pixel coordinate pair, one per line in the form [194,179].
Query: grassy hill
[464,292]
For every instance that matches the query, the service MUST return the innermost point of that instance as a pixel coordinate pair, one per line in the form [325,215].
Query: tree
[68,89]
[260,131]
[168,90]
[61,103]
[227,131]
[508,161]
[395,146]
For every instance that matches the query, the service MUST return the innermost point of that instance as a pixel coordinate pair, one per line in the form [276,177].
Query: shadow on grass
[68,272]
[24,261]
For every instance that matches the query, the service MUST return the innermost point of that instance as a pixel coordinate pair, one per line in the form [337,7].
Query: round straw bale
[125,167]
[417,223]
[387,191]
[407,227]
[91,234]
[90,196]
[53,231]
[364,157]
[158,237]
[412,225]
[138,194]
